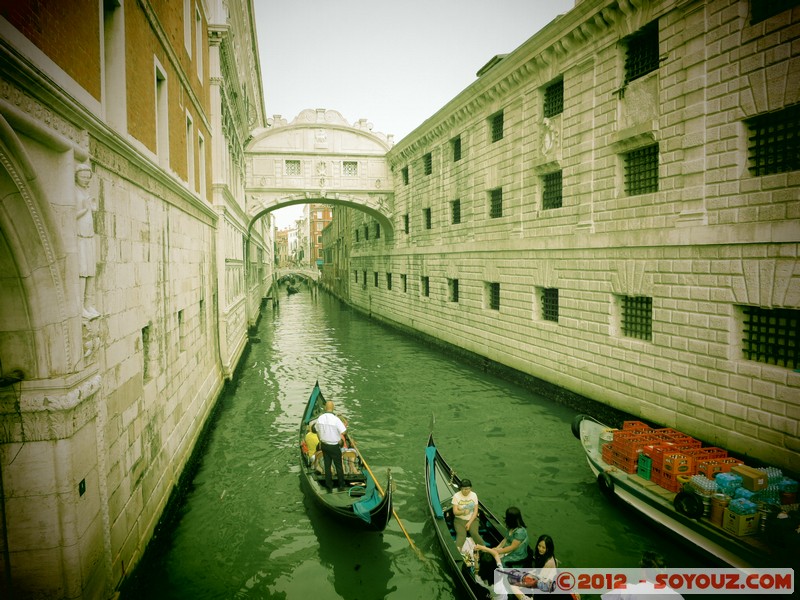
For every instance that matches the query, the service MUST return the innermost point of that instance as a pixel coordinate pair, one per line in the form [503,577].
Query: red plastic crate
[710,467]
[627,464]
[669,481]
[630,442]
[678,464]
[706,453]
[607,453]
[635,425]
[656,452]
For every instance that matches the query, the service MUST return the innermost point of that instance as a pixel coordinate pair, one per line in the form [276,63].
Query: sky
[392,62]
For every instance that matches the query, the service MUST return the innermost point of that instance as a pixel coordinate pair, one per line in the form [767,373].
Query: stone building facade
[124,304]
[614,208]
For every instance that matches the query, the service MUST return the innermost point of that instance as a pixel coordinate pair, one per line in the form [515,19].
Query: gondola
[363,504]
[292,289]
[680,512]
[441,483]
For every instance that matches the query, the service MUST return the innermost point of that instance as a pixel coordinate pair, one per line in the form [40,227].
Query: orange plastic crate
[607,453]
[656,452]
[627,464]
[678,464]
[712,466]
[669,481]
[630,442]
[635,425]
[706,453]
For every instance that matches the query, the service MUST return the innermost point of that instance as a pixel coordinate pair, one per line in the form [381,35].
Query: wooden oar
[380,489]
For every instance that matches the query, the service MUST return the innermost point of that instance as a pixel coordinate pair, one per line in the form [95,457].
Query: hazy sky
[394,63]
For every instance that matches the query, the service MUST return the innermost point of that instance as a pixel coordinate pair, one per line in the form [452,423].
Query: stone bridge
[320,158]
[306,272]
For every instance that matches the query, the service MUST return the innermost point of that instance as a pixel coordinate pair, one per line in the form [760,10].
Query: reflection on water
[246,531]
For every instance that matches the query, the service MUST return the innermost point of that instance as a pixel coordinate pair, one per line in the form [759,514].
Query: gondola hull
[363,505]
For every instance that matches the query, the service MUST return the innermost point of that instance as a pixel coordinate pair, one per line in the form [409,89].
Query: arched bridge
[306,272]
[320,158]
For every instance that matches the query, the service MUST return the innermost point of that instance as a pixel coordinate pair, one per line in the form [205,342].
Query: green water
[245,529]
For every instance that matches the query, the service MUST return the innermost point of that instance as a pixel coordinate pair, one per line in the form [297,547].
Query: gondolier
[330,429]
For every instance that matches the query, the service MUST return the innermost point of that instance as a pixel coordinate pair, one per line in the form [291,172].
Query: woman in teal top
[513,550]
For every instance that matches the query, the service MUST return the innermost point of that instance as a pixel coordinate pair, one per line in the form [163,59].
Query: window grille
[496,124]
[292,167]
[496,203]
[637,317]
[455,211]
[404,173]
[642,52]
[453,285]
[552,190]
[426,215]
[554,99]
[456,143]
[550,304]
[427,162]
[405,223]
[426,286]
[775,141]
[404,282]
[761,10]
[349,168]
[641,171]
[772,336]
[375,278]
[494,296]
[388,281]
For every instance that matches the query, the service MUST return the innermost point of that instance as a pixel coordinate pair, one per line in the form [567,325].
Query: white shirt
[330,428]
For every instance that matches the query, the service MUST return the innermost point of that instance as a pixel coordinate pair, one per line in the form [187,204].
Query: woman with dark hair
[544,553]
[512,551]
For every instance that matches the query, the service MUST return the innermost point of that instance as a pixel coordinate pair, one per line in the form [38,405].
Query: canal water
[245,531]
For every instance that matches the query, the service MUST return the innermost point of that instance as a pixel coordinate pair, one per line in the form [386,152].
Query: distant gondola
[363,505]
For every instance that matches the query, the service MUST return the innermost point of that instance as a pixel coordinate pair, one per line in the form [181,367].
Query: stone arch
[35,333]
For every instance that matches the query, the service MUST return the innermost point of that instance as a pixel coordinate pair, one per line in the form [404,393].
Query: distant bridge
[305,272]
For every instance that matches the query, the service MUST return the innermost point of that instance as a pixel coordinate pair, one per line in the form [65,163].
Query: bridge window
[364,279]
[496,126]
[493,295]
[404,282]
[427,162]
[375,274]
[405,223]
[366,232]
[452,287]
[377,231]
[426,216]
[404,173]
[357,235]
[496,203]
[355,272]
[551,190]
[425,285]
[388,281]
[455,212]
[292,167]
[550,304]
[350,168]
[455,144]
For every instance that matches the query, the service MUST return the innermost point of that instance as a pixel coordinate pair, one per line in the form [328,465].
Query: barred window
[771,336]
[496,126]
[496,203]
[426,217]
[427,162]
[554,99]
[452,287]
[775,141]
[641,171]
[551,190]
[641,55]
[493,292]
[455,212]
[405,223]
[375,278]
[292,167]
[637,317]
[761,10]
[404,282]
[425,285]
[404,173]
[388,281]
[550,304]
[349,168]
[455,143]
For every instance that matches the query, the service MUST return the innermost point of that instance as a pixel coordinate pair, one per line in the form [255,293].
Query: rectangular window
[775,141]
[201,164]
[455,144]
[641,52]
[452,288]
[146,372]
[425,285]
[551,190]
[364,279]
[377,231]
[405,223]
[198,40]
[388,281]
[190,153]
[404,282]
[404,173]
[375,278]
[496,203]
[162,116]
[427,162]
[181,331]
[366,232]
[349,168]
[493,295]
[641,171]
[554,99]
[358,234]
[637,317]
[550,304]
[496,126]
[426,217]
[292,167]
[771,336]
[455,212]
[761,10]
[355,273]
[187,26]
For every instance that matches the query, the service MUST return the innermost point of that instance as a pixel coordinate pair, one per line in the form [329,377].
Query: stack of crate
[623,451]
[671,457]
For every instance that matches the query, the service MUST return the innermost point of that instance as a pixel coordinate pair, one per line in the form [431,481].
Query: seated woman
[512,551]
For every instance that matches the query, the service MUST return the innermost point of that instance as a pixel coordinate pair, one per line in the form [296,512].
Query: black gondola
[363,505]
